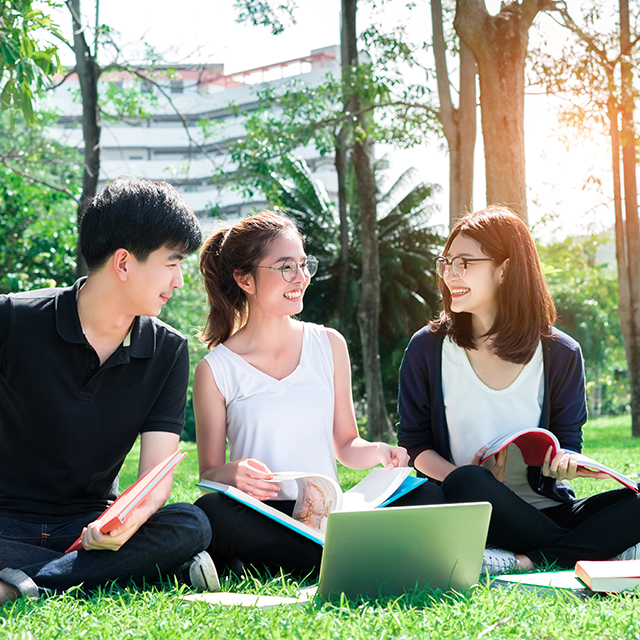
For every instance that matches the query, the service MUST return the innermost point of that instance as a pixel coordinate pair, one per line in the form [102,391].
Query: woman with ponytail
[278,390]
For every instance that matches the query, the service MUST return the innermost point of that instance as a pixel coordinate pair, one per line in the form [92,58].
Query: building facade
[184,135]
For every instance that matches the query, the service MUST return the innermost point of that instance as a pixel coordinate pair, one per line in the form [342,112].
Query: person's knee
[193,520]
[466,484]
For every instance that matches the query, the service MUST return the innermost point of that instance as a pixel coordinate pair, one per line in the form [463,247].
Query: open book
[128,500]
[534,443]
[319,495]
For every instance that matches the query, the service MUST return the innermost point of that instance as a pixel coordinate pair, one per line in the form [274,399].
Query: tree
[378,422]
[27,58]
[585,290]
[499,45]
[97,103]
[596,71]
[458,124]
[37,187]
[88,72]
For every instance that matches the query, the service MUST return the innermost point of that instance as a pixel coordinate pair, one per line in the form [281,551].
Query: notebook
[391,551]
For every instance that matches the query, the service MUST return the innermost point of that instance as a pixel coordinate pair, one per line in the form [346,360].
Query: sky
[568,178]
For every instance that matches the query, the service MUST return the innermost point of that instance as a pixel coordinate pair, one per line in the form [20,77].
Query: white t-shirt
[477,414]
[288,423]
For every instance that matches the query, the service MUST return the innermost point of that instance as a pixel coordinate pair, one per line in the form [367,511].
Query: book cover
[609,575]
[228,599]
[128,500]
[314,534]
[534,443]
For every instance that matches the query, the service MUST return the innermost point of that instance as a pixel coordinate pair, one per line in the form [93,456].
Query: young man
[84,371]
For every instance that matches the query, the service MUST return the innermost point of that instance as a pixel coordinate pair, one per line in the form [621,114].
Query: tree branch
[192,142]
[45,183]
[569,23]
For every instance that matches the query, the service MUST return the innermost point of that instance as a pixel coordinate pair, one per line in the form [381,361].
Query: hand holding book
[564,466]
[249,475]
[121,516]
[540,447]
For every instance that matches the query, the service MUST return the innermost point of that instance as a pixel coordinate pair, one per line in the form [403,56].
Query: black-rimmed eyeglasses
[289,268]
[458,265]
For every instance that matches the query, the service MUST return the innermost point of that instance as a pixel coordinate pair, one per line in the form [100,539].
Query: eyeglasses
[458,265]
[289,269]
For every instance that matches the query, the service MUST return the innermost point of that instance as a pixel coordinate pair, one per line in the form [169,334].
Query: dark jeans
[594,528]
[35,552]
[241,532]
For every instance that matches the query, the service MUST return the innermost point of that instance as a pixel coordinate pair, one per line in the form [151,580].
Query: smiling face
[476,292]
[152,282]
[270,290]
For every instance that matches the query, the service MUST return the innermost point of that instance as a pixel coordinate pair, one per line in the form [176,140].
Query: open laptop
[395,550]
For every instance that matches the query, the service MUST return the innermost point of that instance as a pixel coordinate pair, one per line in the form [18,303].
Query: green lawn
[482,613]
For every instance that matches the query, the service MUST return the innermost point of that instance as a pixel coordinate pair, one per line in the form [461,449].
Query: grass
[157,612]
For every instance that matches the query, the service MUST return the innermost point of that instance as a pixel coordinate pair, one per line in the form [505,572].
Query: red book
[534,442]
[121,508]
[609,575]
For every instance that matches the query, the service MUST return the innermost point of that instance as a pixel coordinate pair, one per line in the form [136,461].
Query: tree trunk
[343,264]
[631,225]
[378,423]
[458,125]
[88,74]
[499,45]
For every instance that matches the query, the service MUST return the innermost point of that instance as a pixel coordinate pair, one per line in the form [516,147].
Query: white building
[171,144]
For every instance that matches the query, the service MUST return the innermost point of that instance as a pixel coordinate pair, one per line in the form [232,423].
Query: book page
[375,488]
[594,465]
[317,498]
[532,442]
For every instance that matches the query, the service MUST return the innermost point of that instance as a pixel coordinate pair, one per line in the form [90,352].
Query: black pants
[243,533]
[594,528]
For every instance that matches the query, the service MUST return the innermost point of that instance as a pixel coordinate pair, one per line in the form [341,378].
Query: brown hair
[525,309]
[235,249]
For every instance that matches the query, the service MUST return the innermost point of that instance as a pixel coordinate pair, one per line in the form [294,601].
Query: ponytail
[227,301]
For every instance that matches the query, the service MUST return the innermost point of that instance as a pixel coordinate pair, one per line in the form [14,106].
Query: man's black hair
[139,216]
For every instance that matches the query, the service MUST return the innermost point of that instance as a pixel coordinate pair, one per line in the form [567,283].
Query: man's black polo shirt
[67,423]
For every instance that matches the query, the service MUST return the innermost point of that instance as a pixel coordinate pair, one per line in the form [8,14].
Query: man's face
[153,281]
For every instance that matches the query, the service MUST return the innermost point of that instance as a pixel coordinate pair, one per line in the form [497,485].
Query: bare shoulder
[339,348]
[336,339]
[204,379]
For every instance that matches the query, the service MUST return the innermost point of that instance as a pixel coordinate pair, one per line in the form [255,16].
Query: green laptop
[391,551]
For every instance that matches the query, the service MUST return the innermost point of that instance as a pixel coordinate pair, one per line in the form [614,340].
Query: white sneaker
[632,553]
[200,573]
[498,561]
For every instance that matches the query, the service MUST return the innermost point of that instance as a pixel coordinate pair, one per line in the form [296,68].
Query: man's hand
[93,540]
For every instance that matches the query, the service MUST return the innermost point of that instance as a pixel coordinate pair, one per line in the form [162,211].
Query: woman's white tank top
[288,423]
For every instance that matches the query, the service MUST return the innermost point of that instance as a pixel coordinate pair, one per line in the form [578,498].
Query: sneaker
[498,561]
[632,553]
[200,573]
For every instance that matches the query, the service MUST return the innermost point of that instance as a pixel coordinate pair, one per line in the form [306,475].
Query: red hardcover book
[118,512]
[609,575]
[534,442]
